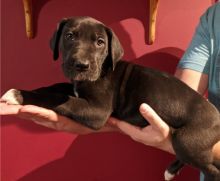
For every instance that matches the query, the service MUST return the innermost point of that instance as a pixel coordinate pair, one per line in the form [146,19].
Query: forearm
[196,80]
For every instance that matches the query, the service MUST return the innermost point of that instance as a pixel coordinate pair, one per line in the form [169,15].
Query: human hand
[157,134]
[48,118]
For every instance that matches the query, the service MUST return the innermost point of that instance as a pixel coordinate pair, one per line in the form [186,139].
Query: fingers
[34,113]
[154,134]
[6,109]
[38,113]
[51,119]
[154,119]
[150,115]
[45,117]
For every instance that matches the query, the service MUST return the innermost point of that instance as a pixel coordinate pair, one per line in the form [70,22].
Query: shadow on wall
[103,11]
[108,160]
[37,6]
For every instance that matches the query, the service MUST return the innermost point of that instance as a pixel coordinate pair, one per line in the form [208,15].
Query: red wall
[31,152]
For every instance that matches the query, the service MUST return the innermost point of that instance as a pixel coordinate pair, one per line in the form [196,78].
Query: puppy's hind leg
[173,170]
[212,173]
[217,163]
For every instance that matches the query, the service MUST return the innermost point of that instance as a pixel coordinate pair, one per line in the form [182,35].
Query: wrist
[167,147]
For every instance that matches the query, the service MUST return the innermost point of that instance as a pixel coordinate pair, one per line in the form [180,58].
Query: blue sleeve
[198,53]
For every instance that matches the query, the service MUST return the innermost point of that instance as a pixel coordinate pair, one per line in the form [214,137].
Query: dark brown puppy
[103,86]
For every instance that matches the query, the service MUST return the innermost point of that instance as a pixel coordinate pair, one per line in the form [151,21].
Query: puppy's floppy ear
[54,42]
[115,49]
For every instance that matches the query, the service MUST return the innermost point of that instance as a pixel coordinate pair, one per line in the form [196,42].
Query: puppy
[102,86]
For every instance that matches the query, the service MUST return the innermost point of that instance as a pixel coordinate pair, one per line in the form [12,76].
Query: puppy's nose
[81,66]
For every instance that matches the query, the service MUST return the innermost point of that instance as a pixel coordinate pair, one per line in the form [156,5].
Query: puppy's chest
[75,91]
[89,90]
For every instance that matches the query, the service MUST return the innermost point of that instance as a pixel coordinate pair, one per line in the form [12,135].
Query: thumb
[154,119]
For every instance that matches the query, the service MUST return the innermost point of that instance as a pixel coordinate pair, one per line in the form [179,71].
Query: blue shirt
[203,54]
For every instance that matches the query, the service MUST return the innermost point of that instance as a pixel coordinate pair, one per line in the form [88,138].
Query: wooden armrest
[152,20]
[28,18]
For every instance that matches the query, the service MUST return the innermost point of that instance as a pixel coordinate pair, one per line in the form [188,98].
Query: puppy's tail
[173,170]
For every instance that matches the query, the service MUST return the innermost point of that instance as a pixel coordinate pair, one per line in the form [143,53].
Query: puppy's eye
[70,36]
[100,41]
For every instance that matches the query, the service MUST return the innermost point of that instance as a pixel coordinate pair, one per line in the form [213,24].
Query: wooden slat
[28,18]
[152,20]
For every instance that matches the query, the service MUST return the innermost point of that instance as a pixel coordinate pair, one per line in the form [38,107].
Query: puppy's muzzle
[79,66]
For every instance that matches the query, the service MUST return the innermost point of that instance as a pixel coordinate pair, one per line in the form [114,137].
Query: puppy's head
[87,46]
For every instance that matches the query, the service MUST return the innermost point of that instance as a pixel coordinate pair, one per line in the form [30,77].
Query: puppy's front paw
[12,96]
